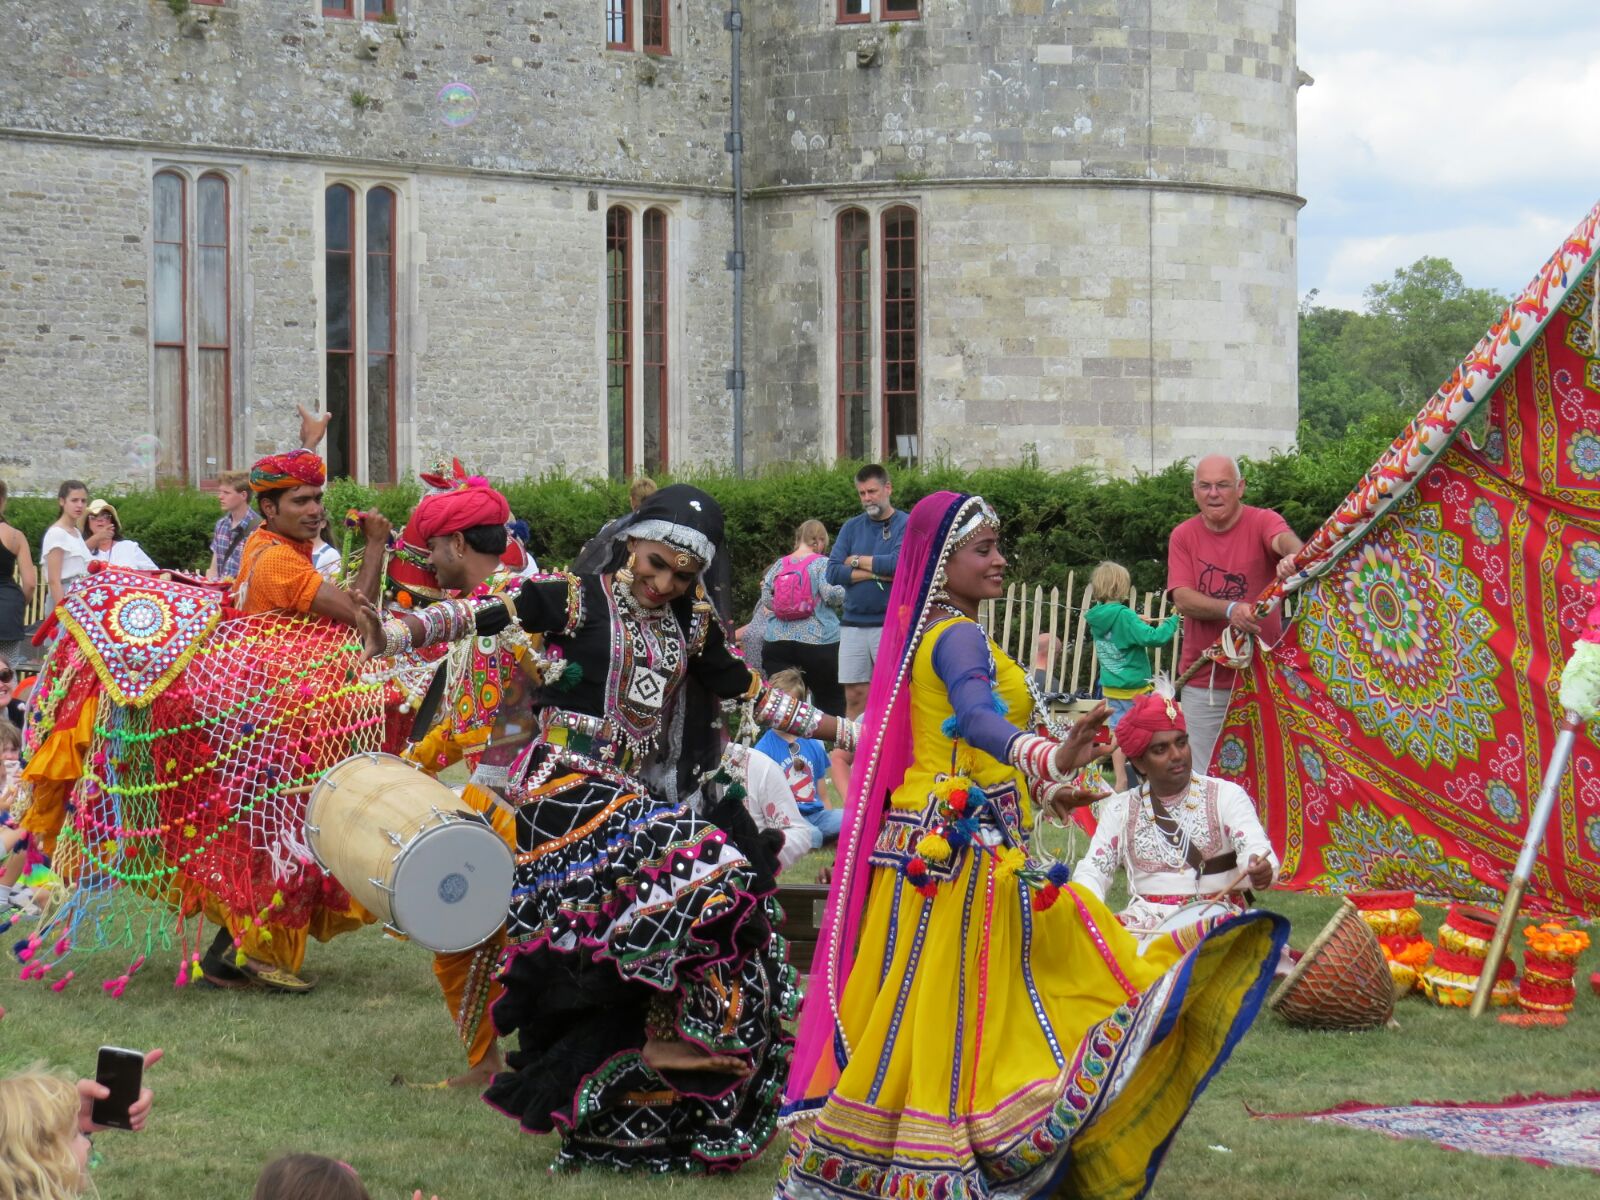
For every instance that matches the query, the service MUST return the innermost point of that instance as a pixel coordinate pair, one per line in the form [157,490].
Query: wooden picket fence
[1016,622]
[1029,612]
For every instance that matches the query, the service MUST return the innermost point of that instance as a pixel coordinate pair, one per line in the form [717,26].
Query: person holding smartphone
[47,1123]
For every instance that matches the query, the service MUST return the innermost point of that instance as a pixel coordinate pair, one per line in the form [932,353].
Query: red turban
[474,503]
[1151,714]
[297,468]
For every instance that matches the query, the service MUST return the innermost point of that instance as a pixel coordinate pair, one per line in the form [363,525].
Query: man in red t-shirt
[1217,563]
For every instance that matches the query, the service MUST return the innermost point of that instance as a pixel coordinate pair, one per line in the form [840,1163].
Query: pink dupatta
[885,753]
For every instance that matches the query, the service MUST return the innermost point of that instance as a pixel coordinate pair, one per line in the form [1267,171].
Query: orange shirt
[275,572]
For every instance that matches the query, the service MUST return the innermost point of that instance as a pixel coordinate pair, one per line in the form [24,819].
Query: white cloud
[1433,122]
[1443,127]
[1513,250]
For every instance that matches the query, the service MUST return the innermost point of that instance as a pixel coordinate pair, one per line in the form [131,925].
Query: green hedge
[1055,521]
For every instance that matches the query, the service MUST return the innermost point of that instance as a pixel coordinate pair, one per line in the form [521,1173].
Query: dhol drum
[1341,982]
[400,843]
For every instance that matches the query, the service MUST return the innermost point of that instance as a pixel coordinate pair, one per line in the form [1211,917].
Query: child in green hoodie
[1120,640]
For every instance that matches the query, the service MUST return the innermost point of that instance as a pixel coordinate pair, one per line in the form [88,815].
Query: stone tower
[1064,224]
[974,226]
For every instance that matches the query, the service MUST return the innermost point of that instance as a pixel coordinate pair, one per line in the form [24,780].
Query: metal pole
[734,23]
[1537,822]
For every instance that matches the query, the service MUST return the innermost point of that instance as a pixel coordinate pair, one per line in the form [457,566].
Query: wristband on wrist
[1228,612]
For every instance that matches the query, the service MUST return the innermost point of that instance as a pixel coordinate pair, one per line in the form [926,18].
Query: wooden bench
[803,907]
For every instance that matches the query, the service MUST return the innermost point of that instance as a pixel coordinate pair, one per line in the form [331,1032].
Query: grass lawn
[250,1075]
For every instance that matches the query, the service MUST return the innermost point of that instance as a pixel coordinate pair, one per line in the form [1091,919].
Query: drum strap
[1178,838]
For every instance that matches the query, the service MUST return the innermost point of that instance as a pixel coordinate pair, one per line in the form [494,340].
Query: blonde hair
[789,680]
[239,481]
[640,490]
[38,1124]
[1111,583]
[812,531]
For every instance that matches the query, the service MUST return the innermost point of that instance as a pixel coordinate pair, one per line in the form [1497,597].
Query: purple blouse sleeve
[961,660]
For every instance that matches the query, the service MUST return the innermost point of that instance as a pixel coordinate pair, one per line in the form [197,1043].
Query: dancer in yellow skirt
[975,1024]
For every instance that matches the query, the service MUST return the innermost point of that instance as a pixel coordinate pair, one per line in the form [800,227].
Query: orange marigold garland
[1393,916]
[1549,966]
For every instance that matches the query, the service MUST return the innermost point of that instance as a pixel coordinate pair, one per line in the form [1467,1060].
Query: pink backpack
[792,597]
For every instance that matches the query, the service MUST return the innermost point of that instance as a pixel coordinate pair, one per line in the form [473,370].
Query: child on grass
[1121,641]
[805,764]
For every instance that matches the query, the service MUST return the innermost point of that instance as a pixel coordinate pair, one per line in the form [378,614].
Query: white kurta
[771,805]
[1217,815]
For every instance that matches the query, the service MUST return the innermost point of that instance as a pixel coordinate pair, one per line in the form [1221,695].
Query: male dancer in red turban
[1182,837]
[463,530]
[275,574]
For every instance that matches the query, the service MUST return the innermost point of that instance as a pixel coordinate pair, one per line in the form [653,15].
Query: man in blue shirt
[863,562]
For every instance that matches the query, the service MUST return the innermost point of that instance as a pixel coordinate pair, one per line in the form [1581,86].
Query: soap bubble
[458,105]
[145,450]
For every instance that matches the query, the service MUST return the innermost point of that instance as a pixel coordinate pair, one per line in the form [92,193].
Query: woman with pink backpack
[802,630]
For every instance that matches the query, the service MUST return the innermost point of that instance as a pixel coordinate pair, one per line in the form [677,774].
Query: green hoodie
[1120,638]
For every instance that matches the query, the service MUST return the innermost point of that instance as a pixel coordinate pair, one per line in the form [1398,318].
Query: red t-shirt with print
[1236,564]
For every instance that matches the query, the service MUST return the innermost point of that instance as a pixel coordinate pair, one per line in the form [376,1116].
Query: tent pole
[1537,822]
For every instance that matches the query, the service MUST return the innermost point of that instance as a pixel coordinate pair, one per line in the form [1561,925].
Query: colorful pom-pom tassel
[60,985]
[1007,863]
[239,958]
[1044,897]
[934,848]
[1059,875]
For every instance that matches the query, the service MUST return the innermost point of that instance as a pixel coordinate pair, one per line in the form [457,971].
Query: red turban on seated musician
[1151,714]
[473,503]
[277,472]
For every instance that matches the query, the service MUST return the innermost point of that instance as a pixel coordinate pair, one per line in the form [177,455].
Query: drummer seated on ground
[1191,844]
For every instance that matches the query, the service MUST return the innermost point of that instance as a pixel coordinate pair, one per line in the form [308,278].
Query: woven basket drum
[1342,982]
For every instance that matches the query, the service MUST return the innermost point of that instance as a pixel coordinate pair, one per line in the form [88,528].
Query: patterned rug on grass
[1548,1131]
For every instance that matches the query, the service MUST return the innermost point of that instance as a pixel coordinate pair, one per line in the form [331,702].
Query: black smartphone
[121,1071]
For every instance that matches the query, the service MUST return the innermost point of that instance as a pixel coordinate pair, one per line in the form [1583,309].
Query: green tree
[1376,368]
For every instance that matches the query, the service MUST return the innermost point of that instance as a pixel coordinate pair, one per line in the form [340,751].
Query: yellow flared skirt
[995,1050]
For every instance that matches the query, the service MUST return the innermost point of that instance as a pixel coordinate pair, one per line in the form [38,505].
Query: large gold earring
[625,573]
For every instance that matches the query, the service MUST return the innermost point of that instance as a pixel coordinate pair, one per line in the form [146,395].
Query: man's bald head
[1213,463]
[1218,491]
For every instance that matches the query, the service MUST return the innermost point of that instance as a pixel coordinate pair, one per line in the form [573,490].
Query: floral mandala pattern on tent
[1396,734]
[1401,640]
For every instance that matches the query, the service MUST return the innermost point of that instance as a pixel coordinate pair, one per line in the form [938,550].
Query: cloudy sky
[1460,128]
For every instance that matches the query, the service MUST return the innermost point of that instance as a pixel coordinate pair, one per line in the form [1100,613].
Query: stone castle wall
[1106,211]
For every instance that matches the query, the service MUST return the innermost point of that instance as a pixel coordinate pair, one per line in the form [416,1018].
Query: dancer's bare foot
[682,1056]
[480,1075]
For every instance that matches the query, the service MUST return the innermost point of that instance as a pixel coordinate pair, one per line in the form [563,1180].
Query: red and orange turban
[1151,714]
[471,504]
[297,468]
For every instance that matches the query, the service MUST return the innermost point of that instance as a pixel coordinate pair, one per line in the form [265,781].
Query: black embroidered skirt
[621,903]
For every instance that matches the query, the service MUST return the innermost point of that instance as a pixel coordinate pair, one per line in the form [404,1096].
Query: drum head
[452,885]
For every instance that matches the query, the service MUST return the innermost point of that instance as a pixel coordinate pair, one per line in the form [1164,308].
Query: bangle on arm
[1035,757]
[1032,754]
[396,637]
[1227,613]
[781,711]
[847,733]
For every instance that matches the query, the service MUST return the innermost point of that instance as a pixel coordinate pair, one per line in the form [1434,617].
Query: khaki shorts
[858,652]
